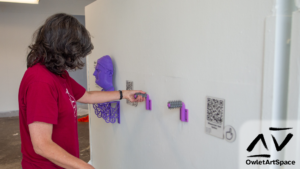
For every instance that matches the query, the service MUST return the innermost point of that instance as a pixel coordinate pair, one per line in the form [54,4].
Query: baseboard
[9,113]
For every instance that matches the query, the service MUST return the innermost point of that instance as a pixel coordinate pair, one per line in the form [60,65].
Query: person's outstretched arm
[40,134]
[92,97]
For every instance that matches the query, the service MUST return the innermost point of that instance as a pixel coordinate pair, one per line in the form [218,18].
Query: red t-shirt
[50,98]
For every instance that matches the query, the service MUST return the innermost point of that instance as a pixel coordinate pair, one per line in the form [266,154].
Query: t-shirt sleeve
[42,103]
[77,89]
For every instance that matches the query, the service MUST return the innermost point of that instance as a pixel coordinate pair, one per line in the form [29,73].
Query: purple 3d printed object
[104,71]
[148,101]
[184,113]
[108,112]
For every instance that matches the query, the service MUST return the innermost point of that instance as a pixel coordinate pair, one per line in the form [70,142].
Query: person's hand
[130,95]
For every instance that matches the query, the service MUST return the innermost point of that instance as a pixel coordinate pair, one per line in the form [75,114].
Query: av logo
[277,146]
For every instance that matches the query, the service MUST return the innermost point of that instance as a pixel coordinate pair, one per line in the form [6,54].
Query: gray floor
[10,144]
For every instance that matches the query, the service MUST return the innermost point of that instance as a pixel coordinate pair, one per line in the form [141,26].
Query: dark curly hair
[60,44]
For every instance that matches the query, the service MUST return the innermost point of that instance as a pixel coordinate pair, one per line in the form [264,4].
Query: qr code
[215,110]
[129,86]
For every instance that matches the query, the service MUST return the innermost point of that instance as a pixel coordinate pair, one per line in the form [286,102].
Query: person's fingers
[138,91]
[142,92]
[135,99]
[134,96]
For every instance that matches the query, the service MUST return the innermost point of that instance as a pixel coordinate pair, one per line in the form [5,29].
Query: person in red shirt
[48,95]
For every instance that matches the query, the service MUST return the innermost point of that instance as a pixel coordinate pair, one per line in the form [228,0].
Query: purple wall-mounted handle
[148,101]
[184,113]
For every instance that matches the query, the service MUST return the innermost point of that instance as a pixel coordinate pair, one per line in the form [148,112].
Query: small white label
[129,86]
[215,113]
[229,134]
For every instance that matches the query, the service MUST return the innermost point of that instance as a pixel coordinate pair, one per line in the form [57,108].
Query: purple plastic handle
[148,102]
[184,113]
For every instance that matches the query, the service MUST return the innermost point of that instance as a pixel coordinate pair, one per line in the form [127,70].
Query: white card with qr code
[215,113]
[129,86]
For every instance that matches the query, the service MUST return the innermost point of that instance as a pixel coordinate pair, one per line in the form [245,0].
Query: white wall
[183,50]
[293,151]
[17,25]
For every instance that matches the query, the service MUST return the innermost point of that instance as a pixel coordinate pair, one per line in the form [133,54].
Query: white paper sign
[215,113]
